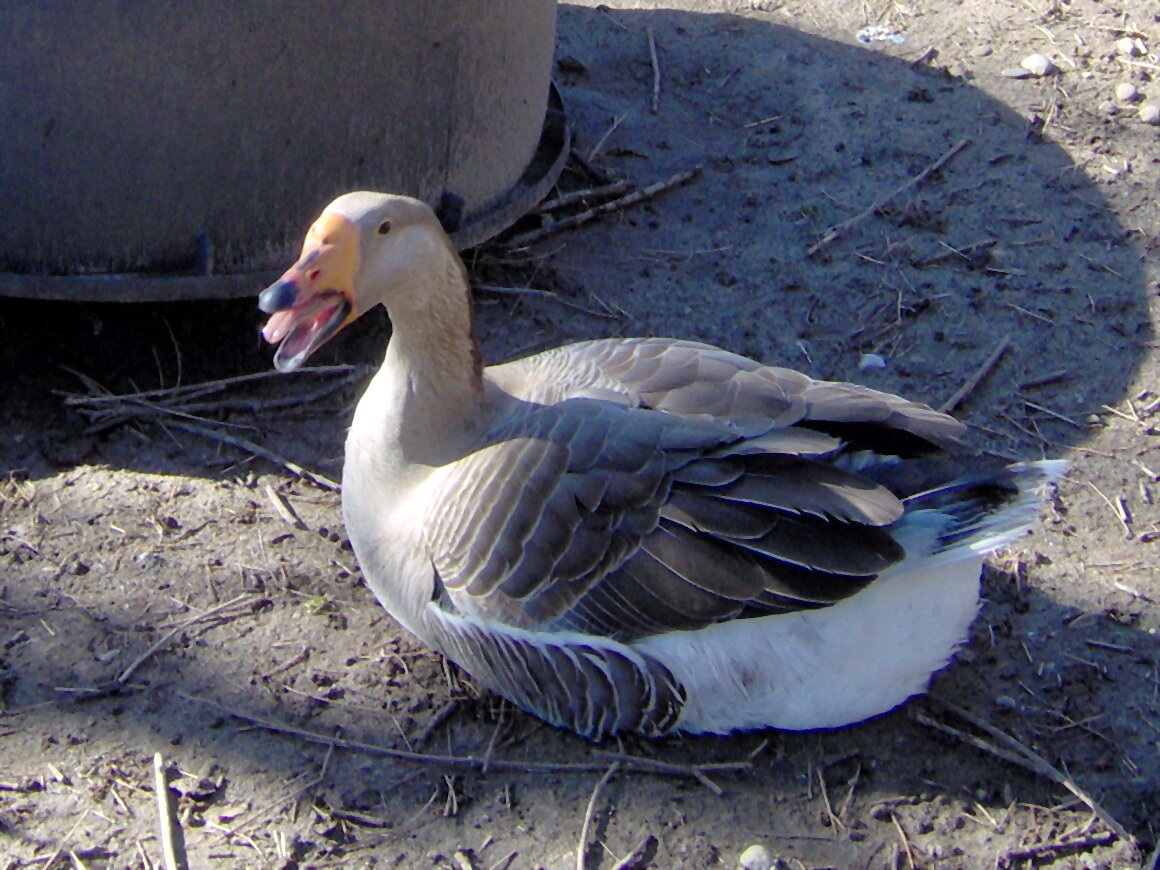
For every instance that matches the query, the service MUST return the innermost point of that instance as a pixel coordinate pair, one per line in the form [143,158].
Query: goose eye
[384,228]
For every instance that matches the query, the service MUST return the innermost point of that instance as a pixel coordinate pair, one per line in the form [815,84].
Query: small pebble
[879,33]
[1150,114]
[1037,65]
[571,64]
[981,51]
[1126,92]
[1016,73]
[1108,107]
[755,857]
[870,361]
[1129,47]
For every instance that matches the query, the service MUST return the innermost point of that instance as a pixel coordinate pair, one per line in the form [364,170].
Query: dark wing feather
[592,688]
[520,528]
[653,526]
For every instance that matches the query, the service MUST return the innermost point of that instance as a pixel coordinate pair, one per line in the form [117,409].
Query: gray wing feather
[594,688]
[685,377]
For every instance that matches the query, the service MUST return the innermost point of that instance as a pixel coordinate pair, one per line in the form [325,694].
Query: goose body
[645,534]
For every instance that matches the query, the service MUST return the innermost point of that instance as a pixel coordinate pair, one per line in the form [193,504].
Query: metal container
[171,150]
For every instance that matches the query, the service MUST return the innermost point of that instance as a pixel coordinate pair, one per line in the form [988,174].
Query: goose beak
[314,299]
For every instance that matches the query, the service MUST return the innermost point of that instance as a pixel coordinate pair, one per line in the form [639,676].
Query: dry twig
[1044,850]
[1025,757]
[634,763]
[640,857]
[974,380]
[655,104]
[583,197]
[180,407]
[118,682]
[555,297]
[838,230]
[192,391]
[590,813]
[124,676]
[167,823]
[64,840]
[1058,416]
[905,841]
[283,508]
[266,453]
[835,822]
[600,142]
[551,229]
[1120,511]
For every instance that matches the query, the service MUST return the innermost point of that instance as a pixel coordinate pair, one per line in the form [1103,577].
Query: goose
[642,535]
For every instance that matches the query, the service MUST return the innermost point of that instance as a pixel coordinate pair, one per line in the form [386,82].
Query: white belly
[823,668]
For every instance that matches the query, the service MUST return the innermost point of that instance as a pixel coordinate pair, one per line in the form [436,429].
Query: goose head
[365,249]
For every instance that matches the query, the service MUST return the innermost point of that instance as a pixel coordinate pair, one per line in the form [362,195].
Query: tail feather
[980,513]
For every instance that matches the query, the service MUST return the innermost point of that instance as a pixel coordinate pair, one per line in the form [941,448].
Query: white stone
[1126,92]
[755,857]
[870,361]
[879,33]
[1150,114]
[1037,65]
[1129,47]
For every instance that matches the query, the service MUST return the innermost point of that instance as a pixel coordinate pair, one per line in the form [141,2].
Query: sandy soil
[161,591]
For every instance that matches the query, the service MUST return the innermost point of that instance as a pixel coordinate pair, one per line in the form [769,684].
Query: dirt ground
[164,592]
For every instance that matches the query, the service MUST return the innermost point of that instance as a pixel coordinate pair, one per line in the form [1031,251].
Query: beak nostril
[314,274]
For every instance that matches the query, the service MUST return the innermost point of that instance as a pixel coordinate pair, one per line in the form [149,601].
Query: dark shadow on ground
[795,134]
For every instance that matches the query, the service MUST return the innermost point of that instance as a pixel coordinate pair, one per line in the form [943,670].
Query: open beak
[315,298]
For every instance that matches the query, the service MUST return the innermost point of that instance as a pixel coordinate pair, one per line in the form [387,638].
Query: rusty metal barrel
[176,150]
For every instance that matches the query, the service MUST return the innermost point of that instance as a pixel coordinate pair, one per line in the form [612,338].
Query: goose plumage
[642,534]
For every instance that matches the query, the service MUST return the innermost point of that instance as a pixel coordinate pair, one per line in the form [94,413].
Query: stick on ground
[838,230]
[172,854]
[578,197]
[547,294]
[249,446]
[635,763]
[655,104]
[974,380]
[590,813]
[528,238]
[1045,850]
[124,676]
[1018,753]
[600,142]
[192,391]
[640,857]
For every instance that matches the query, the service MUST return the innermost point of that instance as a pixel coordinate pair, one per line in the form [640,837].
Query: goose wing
[615,521]
[693,379]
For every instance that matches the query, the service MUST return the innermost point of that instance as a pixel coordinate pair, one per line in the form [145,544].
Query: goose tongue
[303,327]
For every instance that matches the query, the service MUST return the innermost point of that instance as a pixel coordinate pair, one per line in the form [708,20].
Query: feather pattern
[649,534]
